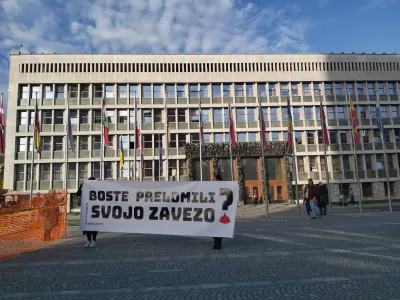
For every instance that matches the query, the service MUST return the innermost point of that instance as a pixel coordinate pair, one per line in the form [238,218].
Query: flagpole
[67,143]
[381,129]
[230,148]
[136,138]
[326,158]
[355,155]
[33,151]
[102,136]
[141,157]
[201,142]
[166,137]
[294,165]
[264,166]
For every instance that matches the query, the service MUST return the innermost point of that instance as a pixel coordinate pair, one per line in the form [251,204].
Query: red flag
[324,128]
[263,131]
[105,125]
[354,122]
[137,138]
[232,129]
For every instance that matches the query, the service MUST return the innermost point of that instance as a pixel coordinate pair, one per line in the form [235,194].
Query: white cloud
[377,4]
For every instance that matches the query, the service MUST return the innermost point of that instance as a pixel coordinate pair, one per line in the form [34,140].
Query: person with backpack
[91,235]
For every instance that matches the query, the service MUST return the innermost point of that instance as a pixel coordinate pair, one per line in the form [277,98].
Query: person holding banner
[217,240]
[91,235]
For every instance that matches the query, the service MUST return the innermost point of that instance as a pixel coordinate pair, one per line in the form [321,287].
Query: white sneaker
[87,244]
[92,244]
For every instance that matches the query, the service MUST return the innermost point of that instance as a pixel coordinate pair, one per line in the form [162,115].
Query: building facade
[215,80]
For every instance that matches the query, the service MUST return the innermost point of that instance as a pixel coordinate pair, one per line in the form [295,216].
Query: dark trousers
[217,242]
[322,210]
[308,207]
[91,235]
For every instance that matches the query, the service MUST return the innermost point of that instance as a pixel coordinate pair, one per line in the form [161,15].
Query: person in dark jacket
[323,198]
[217,240]
[91,235]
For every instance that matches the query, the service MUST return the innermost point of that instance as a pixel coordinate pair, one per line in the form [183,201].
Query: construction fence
[28,224]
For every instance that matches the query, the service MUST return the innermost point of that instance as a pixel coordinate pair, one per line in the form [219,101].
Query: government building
[182,81]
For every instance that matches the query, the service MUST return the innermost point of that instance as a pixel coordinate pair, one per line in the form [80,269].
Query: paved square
[339,257]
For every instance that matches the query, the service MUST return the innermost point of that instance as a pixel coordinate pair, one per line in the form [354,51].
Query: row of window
[182,115]
[81,171]
[346,162]
[208,67]
[151,141]
[58,91]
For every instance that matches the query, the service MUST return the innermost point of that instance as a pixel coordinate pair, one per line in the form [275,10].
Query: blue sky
[197,26]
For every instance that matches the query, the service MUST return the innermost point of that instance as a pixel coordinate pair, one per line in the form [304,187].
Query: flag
[121,154]
[323,124]
[167,124]
[290,126]
[2,127]
[379,123]
[105,125]
[263,139]
[201,126]
[232,128]
[69,132]
[36,134]
[354,122]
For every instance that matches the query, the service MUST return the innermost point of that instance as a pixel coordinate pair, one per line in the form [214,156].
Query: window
[317,89]
[252,137]
[300,164]
[21,144]
[218,138]
[147,141]
[83,143]
[74,116]
[47,117]
[377,137]
[25,92]
[147,117]
[59,117]
[323,163]
[57,172]
[193,90]
[171,115]
[180,89]
[217,115]
[194,138]
[183,168]
[285,115]
[338,89]
[181,115]
[71,170]
[262,90]
[83,116]
[306,89]
[371,88]
[226,90]
[157,91]
[284,89]
[336,163]
[390,161]
[146,91]
[28,172]
[216,90]
[194,115]
[391,88]
[181,140]
[251,114]
[310,137]
[241,137]
[98,91]
[360,88]
[45,172]
[320,138]
[158,115]
[36,89]
[380,163]
[313,164]
[295,89]
[298,138]
[204,91]
[395,111]
[332,136]
[368,162]
[296,113]
[372,111]
[240,114]
[95,170]
[275,136]
[97,118]
[109,91]
[273,113]
[84,91]
[350,88]
[133,91]
[48,92]
[347,162]
[272,89]
[96,142]
[108,170]
[19,173]
[383,112]
[343,136]
[317,113]
[331,113]
[239,90]
[59,91]
[265,113]
[45,143]
[122,91]
[58,143]
[123,117]
[308,113]
[381,88]
[148,168]
[367,189]
[340,112]
[328,89]
[73,91]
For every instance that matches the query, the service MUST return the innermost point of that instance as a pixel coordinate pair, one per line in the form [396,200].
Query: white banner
[193,208]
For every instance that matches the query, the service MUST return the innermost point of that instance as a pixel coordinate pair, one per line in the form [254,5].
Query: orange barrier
[27,225]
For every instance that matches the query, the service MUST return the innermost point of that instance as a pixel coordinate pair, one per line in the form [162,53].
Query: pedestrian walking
[217,240]
[311,200]
[255,195]
[90,235]
[352,199]
[323,198]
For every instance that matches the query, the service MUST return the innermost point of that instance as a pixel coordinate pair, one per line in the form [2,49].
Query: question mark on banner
[225,205]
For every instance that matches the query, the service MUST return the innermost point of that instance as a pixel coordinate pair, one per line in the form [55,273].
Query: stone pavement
[285,257]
